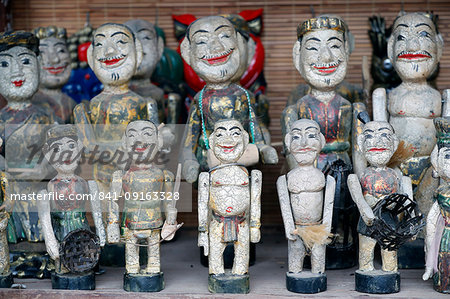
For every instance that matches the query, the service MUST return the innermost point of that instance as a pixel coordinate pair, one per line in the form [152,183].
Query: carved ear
[360,142]
[211,140]
[160,47]
[440,45]
[139,52]
[185,49]
[322,140]
[90,56]
[390,48]
[434,159]
[296,55]
[242,45]
[396,141]
[246,138]
[287,141]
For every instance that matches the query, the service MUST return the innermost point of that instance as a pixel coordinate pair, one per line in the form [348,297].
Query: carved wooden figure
[437,244]
[143,217]
[415,48]
[378,143]
[63,214]
[214,49]
[306,206]
[19,80]
[55,70]
[114,56]
[152,50]
[229,208]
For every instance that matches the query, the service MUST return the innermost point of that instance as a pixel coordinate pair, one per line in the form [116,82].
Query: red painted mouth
[227,149]
[219,59]
[112,61]
[140,149]
[55,70]
[67,162]
[304,150]
[413,56]
[18,83]
[326,69]
[378,149]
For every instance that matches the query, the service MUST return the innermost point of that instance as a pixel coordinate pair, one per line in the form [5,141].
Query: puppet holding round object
[68,238]
[437,246]
[307,207]
[229,209]
[214,49]
[55,70]
[371,192]
[143,217]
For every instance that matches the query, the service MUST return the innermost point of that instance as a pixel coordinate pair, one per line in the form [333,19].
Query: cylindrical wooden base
[228,283]
[377,282]
[143,282]
[306,282]
[83,281]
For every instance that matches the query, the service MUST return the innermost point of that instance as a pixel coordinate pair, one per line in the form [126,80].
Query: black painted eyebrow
[199,31]
[120,32]
[100,34]
[403,25]
[147,128]
[313,38]
[145,29]
[59,43]
[4,54]
[235,128]
[368,130]
[311,128]
[384,128]
[221,128]
[21,54]
[221,26]
[131,129]
[56,143]
[424,24]
[334,37]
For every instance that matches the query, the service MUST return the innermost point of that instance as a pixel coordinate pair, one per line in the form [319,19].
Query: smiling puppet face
[114,54]
[305,141]
[213,49]
[321,53]
[19,75]
[63,148]
[54,56]
[378,142]
[228,140]
[142,140]
[414,47]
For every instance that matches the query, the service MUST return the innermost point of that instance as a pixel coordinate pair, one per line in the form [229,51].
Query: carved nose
[110,50]
[16,68]
[413,44]
[325,54]
[217,46]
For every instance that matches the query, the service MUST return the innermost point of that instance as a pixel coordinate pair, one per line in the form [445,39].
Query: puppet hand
[203,242]
[268,155]
[255,235]
[190,170]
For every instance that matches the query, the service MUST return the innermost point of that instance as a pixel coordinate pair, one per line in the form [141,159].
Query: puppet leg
[153,252]
[131,252]
[366,248]
[318,258]
[389,260]
[216,247]
[242,250]
[296,254]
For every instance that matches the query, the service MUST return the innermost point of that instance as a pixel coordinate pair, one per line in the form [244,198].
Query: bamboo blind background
[279,34]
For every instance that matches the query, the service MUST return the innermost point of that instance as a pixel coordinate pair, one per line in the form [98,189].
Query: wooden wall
[281,18]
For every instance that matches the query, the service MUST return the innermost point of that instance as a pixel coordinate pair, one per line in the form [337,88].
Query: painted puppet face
[414,47]
[322,58]
[228,141]
[305,141]
[114,55]
[55,62]
[19,75]
[378,143]
[145,32]
[64,154]
[444,163]
[142,140]
[214,50]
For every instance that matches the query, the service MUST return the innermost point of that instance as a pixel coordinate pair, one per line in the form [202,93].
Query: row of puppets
[394,171]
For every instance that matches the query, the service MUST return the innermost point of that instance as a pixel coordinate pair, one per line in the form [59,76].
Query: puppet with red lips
[114,55]
[321,56]
[377,142]
[214,49]
[415,48]
[19,80]
[55,72]
[307,208]
[229,209]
